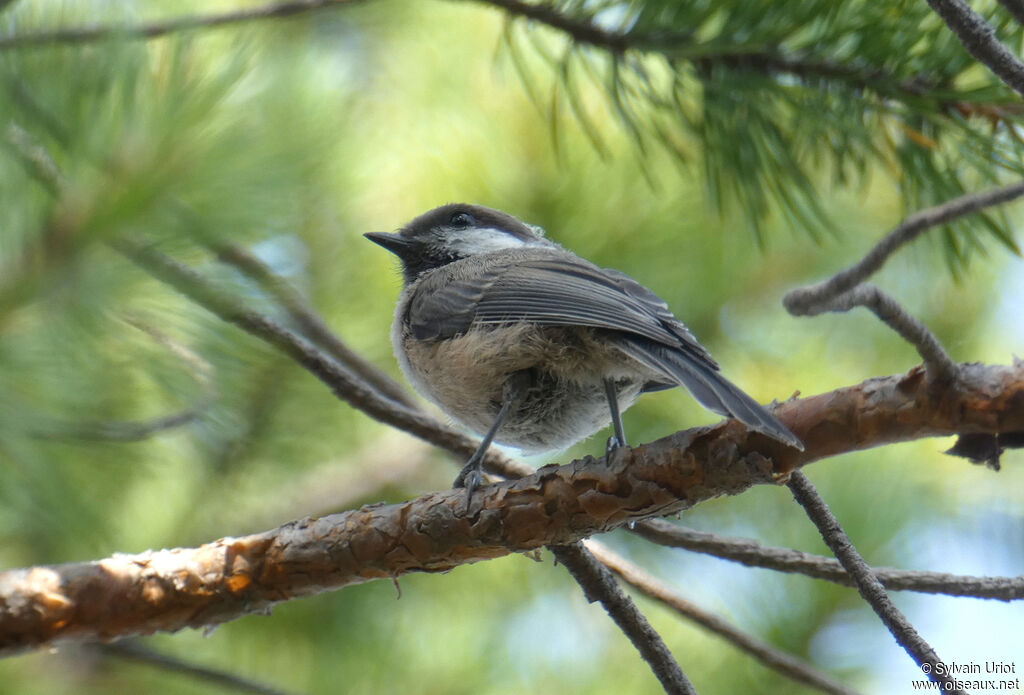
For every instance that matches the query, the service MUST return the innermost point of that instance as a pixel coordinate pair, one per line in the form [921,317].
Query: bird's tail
[709,387]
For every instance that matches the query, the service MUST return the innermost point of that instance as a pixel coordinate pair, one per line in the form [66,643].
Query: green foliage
[292,138]
[776,102]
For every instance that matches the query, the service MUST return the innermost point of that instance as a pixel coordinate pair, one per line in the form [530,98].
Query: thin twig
[786,664]
[940,366]
[753,554]
[132,650]
[801,301]
[599,585]
[314,327]
[360,383]
[581,31]
[844,290]
[114,431]
[980,40]
[350,387]
[36,159]
[867,583]
[345,384]
[199,369]
[272,10]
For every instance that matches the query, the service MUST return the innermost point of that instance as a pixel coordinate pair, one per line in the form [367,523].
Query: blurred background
[293,138]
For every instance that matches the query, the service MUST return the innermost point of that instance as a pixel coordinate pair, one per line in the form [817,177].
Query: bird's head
[453,232]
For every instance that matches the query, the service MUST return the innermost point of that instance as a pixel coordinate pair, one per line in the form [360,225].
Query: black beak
[395,243]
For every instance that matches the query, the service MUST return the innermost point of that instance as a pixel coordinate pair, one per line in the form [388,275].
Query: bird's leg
[619,438]
[470,476]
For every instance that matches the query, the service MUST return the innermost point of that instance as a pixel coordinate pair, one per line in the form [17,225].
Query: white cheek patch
[484,240]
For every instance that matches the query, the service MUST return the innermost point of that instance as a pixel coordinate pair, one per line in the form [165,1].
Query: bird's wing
[546,289]
[561,289]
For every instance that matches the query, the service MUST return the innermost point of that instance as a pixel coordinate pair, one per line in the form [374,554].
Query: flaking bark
[168,590]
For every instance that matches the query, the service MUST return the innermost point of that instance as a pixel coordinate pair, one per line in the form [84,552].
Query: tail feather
[709,387]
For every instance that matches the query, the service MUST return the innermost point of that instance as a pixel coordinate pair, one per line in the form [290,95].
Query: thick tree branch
[786,664]
[980,40]
[599,585]
[557,505]
[753,554]
[871,590]
[353,388]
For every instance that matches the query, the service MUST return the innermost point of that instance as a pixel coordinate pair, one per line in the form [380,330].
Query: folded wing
[557,288]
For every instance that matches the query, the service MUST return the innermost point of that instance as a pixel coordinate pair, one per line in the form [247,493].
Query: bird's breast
[465,375]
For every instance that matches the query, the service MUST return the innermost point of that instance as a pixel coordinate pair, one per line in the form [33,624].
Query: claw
[470,477]
[612,445]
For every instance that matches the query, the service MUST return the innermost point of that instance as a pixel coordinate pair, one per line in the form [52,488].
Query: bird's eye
[461,219]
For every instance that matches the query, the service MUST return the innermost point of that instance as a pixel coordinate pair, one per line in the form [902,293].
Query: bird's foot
[612,445]
[470,477]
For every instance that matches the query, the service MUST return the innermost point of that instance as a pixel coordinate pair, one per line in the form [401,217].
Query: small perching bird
[534,347]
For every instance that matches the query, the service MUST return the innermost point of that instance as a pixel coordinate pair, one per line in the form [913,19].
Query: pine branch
[581,31]
[556,505]
[273,10]
[874,428]
[367,385]
[1015,8]
[753,554]
[783,663]
[980,40]
[599,585]
[871,590]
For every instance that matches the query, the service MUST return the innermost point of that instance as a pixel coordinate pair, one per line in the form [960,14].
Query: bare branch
[274,10]
[980,40]
[314,327]
[802,301]
[753,554]
[346,385]
[132,650]
[114,431]
[937,361]
[864,407]
[598,584]
[844,290]
[870,589]
[556,505]
[786,664]
[595,581]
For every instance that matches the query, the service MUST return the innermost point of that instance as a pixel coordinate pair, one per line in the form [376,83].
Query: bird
[531,346]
